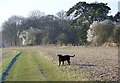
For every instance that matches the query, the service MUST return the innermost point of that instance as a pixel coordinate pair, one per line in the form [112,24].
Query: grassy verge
[35,66]
[7,55]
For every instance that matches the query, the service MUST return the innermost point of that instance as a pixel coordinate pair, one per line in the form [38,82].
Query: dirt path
[96,63]
[35,65]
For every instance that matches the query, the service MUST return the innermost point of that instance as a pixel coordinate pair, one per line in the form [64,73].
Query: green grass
[31,63]
[7,55]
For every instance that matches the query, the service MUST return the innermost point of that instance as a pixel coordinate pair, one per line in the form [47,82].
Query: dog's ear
[58,54]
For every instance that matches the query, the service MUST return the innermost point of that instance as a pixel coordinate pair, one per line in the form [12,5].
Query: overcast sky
[24,7]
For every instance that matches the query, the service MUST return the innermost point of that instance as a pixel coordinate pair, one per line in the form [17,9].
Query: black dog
[64,58]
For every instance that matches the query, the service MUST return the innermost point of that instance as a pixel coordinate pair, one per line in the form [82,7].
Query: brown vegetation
[96,63]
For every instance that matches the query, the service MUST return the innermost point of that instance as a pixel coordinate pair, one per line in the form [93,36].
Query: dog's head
[59,55]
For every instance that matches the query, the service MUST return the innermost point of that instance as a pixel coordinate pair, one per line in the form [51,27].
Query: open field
[40,63]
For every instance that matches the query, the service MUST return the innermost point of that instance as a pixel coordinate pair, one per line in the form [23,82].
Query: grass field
[40,63]
[7,55]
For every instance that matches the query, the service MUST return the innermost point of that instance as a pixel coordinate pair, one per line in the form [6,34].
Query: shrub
[100,32]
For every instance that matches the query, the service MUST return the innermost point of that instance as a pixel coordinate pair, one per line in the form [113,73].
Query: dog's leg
[68,62]
[59,62]
[63,62]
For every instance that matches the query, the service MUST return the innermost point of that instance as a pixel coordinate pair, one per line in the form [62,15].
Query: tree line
[66,27]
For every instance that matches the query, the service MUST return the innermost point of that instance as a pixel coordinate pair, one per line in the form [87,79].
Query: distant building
[119,6]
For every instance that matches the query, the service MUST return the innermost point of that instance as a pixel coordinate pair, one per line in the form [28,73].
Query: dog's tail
[72,56]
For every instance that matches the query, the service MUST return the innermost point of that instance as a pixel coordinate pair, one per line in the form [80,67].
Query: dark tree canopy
[84,14]
[117,17]
[89,11]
